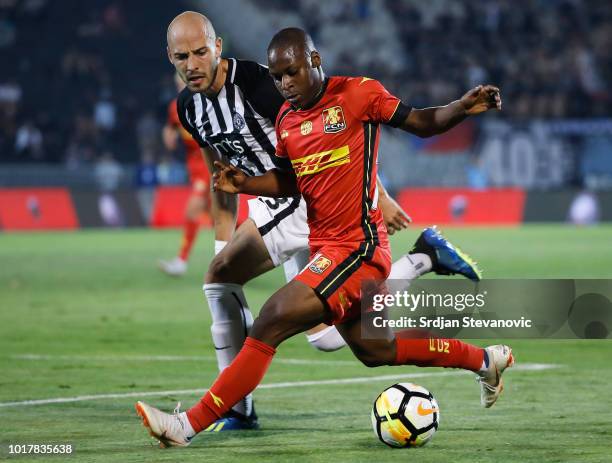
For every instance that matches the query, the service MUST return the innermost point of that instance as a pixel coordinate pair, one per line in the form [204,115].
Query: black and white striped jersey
[238,123]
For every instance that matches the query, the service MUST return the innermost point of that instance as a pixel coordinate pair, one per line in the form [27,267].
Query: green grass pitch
[87,313]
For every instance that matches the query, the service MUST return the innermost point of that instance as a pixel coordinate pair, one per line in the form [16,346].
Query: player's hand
[227,178]
[481,99]
[395,217]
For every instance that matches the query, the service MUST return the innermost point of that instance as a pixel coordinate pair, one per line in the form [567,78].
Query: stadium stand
[91,78]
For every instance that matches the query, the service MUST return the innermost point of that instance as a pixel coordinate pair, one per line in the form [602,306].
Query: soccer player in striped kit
[229,106]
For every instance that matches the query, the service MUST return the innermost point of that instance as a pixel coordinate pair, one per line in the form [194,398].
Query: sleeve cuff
[281,163]
[400,115]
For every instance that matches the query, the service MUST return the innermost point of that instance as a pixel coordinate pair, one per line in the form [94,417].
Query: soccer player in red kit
[327,133]
[199,178]
[333,147]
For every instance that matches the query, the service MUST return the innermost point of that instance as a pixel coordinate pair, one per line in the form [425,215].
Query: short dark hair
[291,37]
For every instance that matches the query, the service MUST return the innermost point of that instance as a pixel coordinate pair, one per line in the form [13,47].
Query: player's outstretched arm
[433,121]
[274,183]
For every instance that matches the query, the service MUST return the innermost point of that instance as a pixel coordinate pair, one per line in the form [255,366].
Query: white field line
[322,382]
[168,358]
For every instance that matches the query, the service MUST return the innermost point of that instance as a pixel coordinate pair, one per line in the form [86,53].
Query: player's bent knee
[192,215]
[273,315]
[220,271]
[274,324]
[268,330]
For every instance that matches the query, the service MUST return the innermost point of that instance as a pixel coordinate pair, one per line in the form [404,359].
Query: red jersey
[333,148]
[195,162]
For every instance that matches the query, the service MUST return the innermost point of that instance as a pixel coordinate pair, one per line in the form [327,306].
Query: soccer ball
[405,415]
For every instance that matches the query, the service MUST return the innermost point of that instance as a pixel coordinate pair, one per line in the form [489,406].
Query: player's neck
[219,80]
[317,97]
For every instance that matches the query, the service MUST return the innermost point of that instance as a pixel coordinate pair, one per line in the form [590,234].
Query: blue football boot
[234,421]
[446,259]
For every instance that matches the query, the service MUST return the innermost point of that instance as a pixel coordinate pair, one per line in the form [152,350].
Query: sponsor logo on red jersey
[333,120]
[313,163]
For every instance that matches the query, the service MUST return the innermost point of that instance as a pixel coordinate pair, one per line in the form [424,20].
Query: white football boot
[168,429]
[491,382]
[175,267]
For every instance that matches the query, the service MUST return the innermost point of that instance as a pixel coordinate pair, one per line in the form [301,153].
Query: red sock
[438,352]
[190,231]
[237,380]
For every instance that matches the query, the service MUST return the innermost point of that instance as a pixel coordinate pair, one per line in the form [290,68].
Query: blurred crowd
[89,92]
[551,58]
[96,88]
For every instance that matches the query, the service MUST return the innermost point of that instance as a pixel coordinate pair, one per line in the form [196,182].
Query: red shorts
[336,272]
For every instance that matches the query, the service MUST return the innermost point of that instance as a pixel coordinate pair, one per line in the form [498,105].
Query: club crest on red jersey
[319,265]
[333,120]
